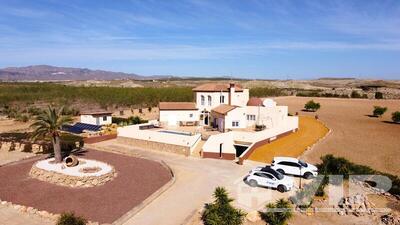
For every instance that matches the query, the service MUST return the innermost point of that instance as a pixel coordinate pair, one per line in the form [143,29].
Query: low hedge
[128,121]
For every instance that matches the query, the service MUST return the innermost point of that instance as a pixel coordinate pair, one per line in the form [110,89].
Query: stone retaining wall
[35,212]
[71,181]
[22,147]
[152,145]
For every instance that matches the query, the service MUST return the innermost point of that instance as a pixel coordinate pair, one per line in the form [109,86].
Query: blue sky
[247,38]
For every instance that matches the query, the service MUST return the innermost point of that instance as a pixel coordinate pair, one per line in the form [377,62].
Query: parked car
[267,177]
[293,166]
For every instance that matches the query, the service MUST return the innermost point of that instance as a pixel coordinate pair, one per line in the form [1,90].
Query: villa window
[104,118]
[191,115]
[209,100]
[251,117]
[221,99]
[235,123]
[203,100]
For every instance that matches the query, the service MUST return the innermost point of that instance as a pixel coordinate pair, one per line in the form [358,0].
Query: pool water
[175,132]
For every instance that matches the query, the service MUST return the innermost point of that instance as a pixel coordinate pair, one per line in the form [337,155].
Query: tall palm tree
[49,124]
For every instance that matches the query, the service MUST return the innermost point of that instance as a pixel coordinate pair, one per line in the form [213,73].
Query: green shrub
[68,142]
[278,213]
[379,111]
[103,96]
[396,117]
[341,166]
[309,94]
[378,95]
[312,106]
[355,94]
[128,121]
[221,212]
[304,197]
[22,117]
[265,92]
[34,111]
[70,219]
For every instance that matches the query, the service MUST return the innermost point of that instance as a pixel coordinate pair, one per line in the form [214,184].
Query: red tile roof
[213,87]
[255,102]
[177,106]
[224,109]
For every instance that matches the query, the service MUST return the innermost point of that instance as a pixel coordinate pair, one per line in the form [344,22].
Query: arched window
[209,100]
[203,100]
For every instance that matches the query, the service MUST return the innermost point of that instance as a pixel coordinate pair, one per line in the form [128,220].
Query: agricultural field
[355,134]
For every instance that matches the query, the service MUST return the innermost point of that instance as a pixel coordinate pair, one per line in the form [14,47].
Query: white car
[267,177]
[293,166]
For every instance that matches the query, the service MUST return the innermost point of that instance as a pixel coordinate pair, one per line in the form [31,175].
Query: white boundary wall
[227,139]
[133,131]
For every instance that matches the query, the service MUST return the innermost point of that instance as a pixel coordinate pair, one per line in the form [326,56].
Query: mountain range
[52,73]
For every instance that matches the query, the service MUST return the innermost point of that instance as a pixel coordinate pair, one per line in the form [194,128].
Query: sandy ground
[356,136]
[310,131]
[7,125]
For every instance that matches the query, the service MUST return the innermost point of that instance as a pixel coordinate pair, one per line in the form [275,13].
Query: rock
[390,219]
[22,209]
[253,216]
[44,214]
[29,209]
[17,207]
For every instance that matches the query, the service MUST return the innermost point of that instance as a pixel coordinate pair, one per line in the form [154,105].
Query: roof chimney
[231,92]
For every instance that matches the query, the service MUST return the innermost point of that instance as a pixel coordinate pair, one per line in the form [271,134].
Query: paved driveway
[196,180]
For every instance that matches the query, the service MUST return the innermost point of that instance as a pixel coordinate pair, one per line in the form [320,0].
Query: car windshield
[278,175]
[303,164]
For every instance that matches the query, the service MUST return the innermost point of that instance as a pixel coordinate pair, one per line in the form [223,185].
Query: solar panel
[79,127]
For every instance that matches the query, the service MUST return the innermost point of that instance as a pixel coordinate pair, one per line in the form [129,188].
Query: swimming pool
[175,132]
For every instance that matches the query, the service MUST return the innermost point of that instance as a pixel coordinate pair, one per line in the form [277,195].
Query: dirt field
[7,125]
[356,136]
[137,179]
[310,131]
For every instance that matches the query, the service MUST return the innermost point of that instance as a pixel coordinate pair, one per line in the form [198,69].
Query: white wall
[213,142]
[153,135]
[237,114]
[240,98]
[215,100]
[92,119]
[268,116]
[173,117]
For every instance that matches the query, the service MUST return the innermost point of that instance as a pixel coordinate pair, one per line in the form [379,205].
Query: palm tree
[278,213]
[48,124]
[221,211]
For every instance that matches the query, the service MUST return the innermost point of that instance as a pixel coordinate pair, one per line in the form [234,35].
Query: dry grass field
[310,131]
[356,136]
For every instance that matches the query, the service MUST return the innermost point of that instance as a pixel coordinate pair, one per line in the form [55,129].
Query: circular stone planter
[88,173]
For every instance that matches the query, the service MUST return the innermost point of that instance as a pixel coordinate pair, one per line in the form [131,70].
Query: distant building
[96,118]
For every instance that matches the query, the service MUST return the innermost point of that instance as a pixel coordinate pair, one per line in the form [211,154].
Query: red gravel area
[137,179]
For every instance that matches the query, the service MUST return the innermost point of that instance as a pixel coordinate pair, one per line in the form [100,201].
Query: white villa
[98,118]
[224,107]
[234,123]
